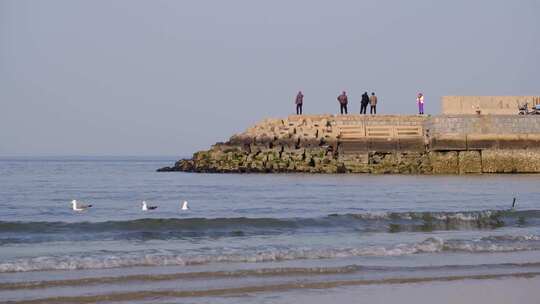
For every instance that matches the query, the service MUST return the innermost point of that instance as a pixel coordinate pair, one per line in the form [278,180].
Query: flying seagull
[79,206]
[185,206]
[145,206]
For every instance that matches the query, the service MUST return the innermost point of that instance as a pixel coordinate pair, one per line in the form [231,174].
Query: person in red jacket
[299,102]
[343,101]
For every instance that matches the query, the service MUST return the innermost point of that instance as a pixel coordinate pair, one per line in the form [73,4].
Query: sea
[262,238]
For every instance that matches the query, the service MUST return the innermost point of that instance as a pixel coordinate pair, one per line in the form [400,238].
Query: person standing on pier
[373,103]
[420,103]
[343,101]
[364,103]
[299,102]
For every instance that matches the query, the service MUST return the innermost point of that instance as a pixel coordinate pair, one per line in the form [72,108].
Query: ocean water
[256,237]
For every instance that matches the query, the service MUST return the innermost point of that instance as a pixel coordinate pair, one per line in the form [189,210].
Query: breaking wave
[174,228]
[109,259]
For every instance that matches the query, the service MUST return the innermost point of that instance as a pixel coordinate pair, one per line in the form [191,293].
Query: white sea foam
[164,258]
[439,216]
[528,237]
[459,216]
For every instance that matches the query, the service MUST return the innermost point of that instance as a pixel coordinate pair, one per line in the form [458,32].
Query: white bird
[145,206]
[185,206]
[79,206]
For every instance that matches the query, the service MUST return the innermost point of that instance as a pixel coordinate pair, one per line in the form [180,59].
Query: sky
[131,77]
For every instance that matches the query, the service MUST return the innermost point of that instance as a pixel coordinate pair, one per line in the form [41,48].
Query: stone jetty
[378,144]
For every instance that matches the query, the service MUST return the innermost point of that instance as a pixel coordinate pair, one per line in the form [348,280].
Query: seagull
[514,204]
[185,206]
[145,207]
[78,206]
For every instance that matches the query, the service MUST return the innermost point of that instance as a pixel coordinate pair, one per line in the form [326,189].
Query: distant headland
[473,135]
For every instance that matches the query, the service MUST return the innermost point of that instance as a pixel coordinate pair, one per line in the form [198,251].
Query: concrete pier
[404,144]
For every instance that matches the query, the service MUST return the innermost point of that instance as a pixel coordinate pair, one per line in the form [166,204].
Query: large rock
[511,161]
[470,162]
[444,162]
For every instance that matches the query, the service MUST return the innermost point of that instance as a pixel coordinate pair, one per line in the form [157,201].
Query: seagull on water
[184,206]
[79,206]
[145,206]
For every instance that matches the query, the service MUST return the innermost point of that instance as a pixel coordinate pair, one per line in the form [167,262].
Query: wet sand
[490,291]
[458,288]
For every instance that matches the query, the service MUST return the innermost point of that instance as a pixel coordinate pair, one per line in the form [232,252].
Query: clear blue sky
[129,77]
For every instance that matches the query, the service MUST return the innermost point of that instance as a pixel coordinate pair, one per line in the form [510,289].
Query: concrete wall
[483,132]
[360,134]
[485,161]
[498,105]
[484,124]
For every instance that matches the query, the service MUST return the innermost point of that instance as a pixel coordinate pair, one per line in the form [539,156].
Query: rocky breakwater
[320,144]
[443,144]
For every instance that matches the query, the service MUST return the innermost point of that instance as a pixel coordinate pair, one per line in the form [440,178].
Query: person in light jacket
[373,103]
[420,103]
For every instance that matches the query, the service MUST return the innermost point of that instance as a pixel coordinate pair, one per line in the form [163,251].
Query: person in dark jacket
[364,103]
[343,101]
[299,102]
